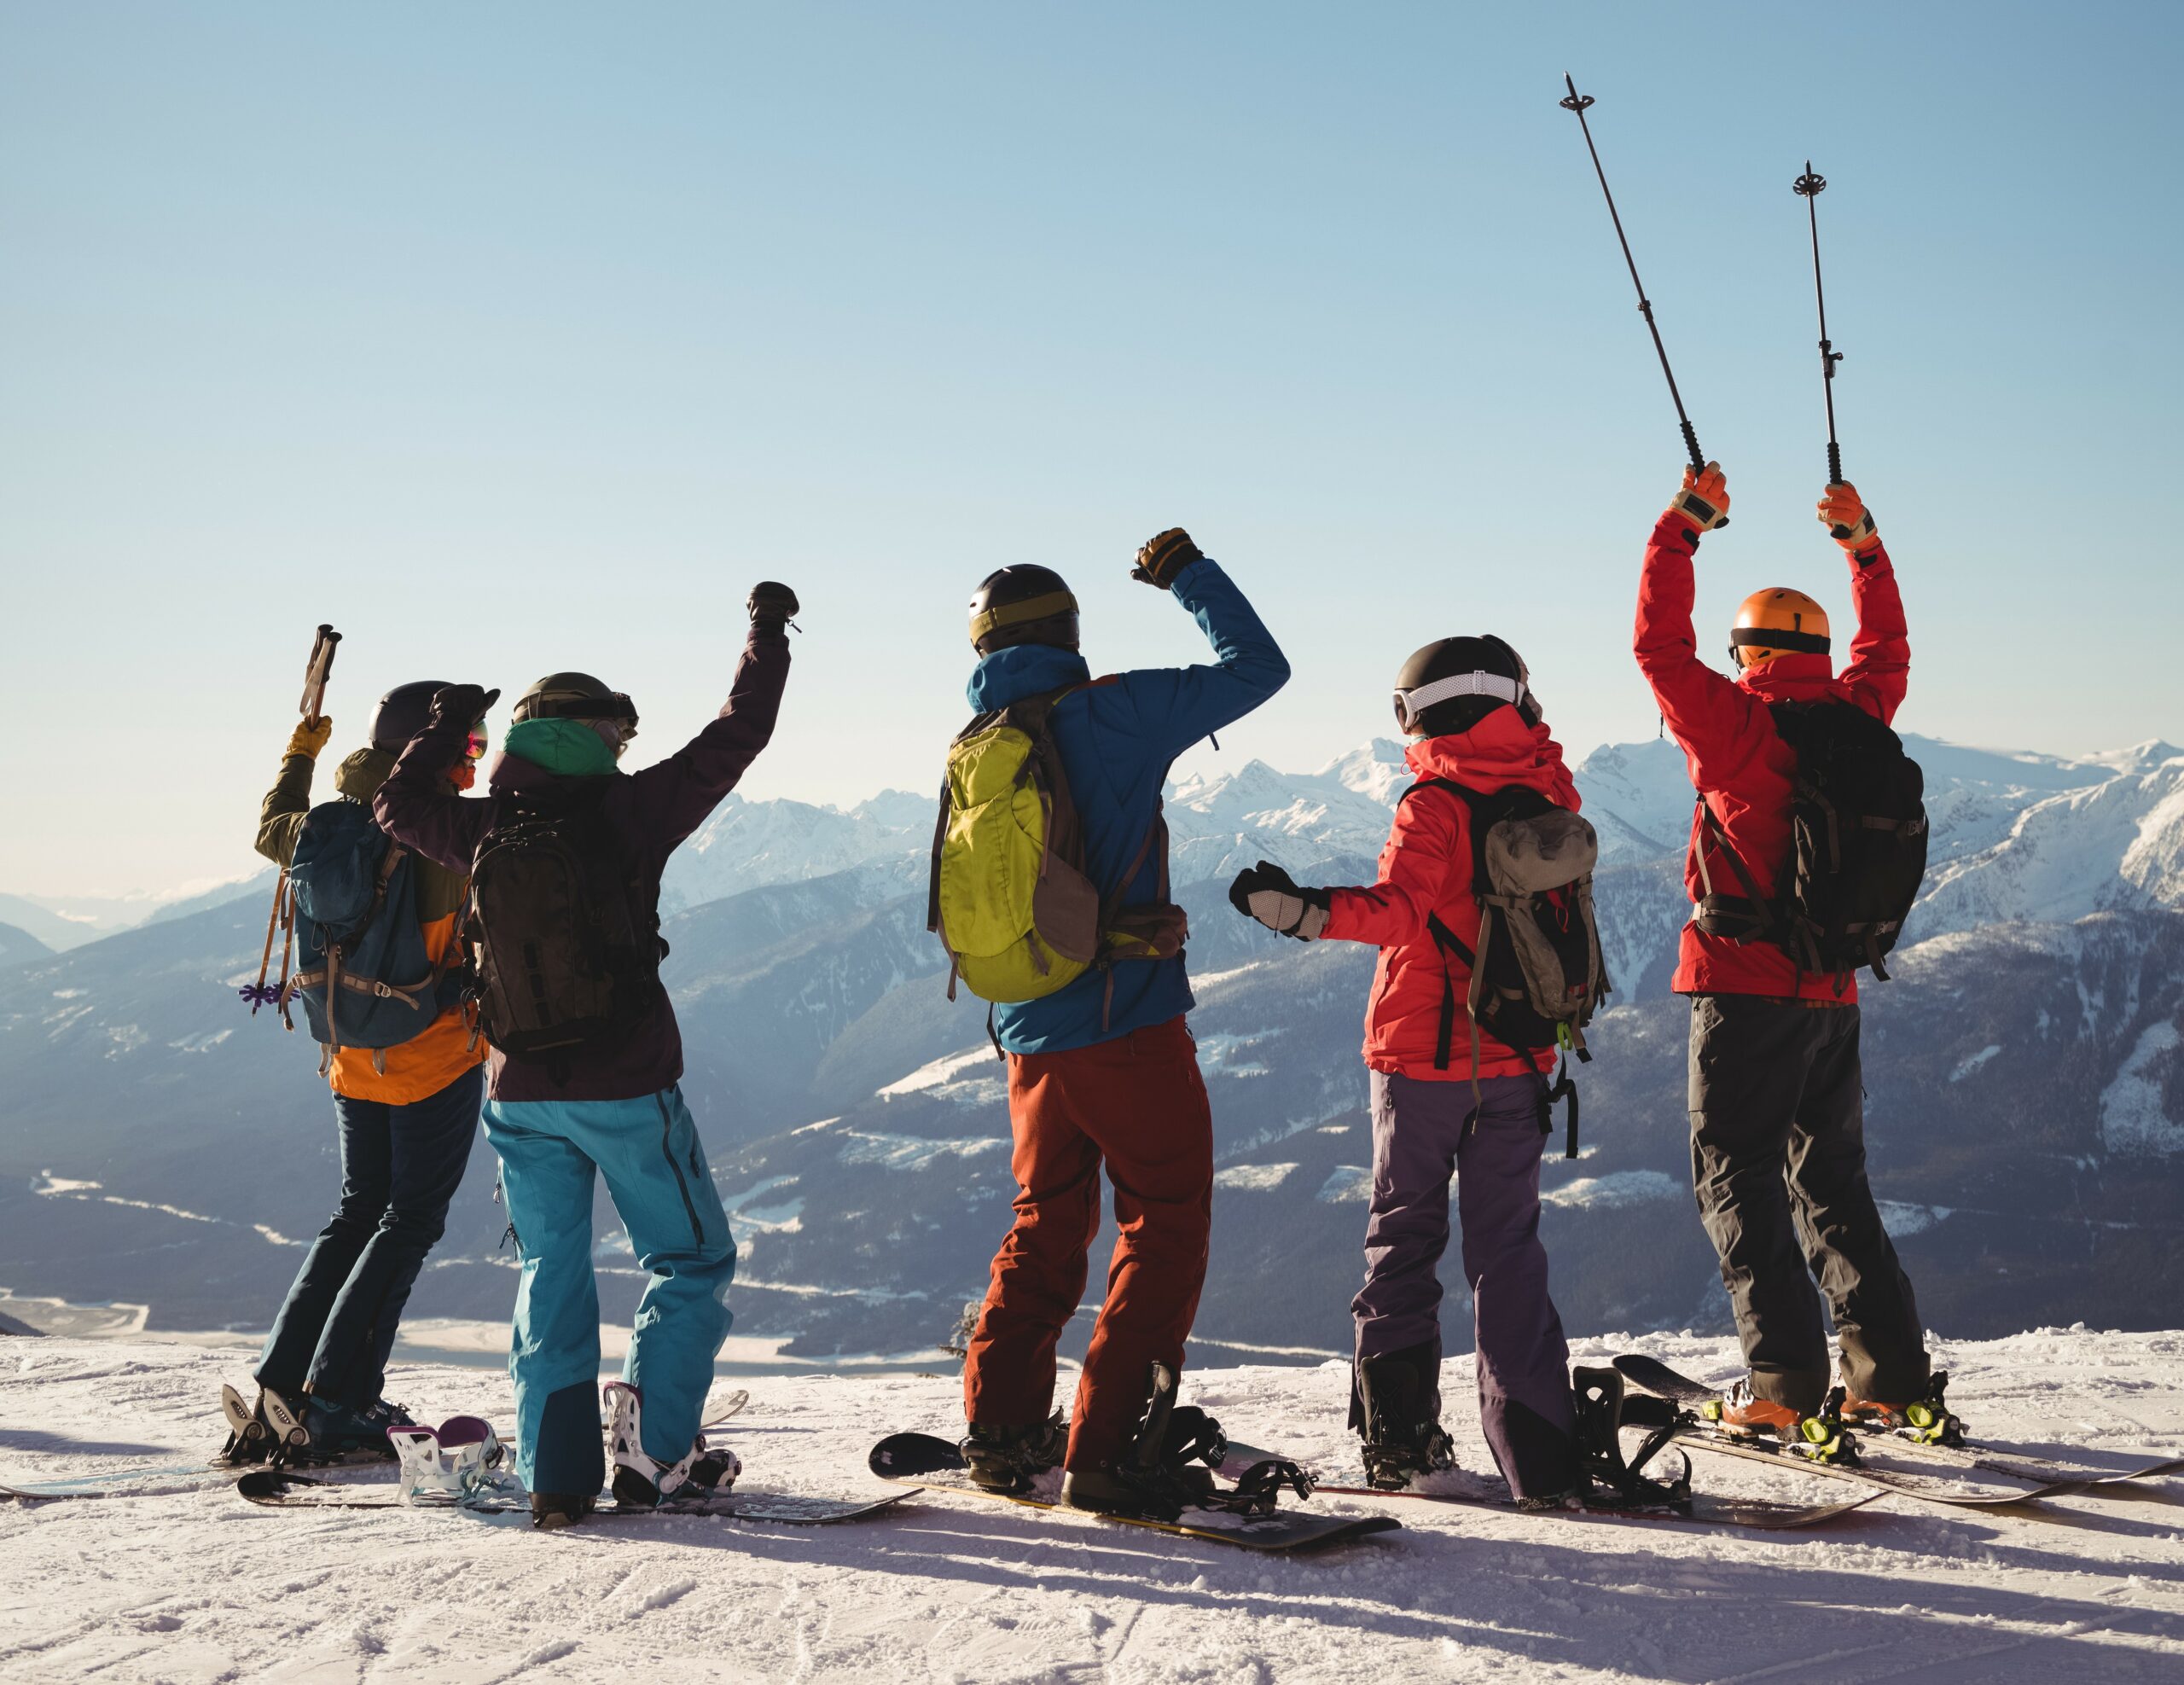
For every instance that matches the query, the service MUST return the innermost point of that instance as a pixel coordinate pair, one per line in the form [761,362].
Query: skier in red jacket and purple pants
[1777,1124]
[1467,705]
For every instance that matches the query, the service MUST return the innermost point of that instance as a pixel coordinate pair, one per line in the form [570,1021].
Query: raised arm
[673,797]
[1177,705]
[1879,670]
[281,815]
[415,806]
[1710,717]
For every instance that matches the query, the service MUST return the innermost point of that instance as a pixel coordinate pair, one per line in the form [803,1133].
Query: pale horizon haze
[510,339]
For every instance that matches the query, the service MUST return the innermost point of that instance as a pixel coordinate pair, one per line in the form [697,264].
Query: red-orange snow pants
[1138,1103]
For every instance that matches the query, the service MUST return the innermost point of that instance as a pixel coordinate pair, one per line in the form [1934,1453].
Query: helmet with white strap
[1451,685]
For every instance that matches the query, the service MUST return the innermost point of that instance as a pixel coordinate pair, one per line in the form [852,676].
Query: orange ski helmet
[1777,622]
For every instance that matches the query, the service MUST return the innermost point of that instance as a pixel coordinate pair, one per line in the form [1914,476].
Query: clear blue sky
[518,337]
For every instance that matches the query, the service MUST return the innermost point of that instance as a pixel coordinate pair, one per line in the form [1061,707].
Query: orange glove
[309,738]
[1849,522]
[1703,502]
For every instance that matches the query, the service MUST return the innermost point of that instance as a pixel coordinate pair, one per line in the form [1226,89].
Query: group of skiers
[1050,890]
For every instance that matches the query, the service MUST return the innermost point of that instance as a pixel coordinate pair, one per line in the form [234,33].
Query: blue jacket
[1118,740]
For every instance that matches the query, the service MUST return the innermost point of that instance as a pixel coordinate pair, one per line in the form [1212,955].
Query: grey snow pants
[1423,1133]
[1778,1161]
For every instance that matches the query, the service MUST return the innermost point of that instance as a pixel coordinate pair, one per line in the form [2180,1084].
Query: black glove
[465,702]
[1268,894]
[771,606]
[1163,557]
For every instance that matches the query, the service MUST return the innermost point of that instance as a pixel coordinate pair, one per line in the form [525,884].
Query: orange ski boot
[1925,1421]
[1742,1413]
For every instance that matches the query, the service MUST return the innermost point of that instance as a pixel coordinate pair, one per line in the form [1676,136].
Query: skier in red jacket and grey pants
[1778,1152]
[1445,1103]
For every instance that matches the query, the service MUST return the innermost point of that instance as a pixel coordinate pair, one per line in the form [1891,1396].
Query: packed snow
[174,1578]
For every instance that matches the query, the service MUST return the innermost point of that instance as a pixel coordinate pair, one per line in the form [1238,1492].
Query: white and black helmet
[1451,685]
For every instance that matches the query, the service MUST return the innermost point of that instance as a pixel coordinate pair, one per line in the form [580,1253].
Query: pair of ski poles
[1808,187]
[316,670]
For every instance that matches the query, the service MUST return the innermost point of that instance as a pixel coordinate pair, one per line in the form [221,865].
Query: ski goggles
[1411,703]
[445,1464]
[479,743]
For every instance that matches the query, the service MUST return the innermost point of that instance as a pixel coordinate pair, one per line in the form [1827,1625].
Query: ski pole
[1577,102]
[1808,187]
[315,672]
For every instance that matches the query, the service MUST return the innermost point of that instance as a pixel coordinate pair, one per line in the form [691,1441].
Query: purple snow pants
[1422,1133]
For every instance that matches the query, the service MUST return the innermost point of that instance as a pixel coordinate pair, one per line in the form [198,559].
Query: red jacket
[1427,869]
[1739,763]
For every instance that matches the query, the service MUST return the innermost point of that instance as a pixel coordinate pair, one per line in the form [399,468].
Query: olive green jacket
[440,892]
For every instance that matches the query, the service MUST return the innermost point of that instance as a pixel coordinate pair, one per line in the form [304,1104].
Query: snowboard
[237,1414]
[1484,1492]
[1655,1377]
[903,1457]
[280,1489]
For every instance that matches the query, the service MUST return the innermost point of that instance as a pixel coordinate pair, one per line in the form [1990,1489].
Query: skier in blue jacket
[1104,1069]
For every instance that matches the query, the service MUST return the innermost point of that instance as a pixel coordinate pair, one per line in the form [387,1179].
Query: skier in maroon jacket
[610,1105]
[1778,1136]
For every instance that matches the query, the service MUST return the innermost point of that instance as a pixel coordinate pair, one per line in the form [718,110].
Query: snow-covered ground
[182,1581]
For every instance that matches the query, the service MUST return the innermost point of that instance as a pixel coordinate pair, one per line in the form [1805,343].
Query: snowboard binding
[641,1482]
[1924,1422]
[1601,1400]
[1011,1460]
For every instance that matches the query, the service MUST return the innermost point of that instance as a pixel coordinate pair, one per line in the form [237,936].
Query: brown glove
[1165,556]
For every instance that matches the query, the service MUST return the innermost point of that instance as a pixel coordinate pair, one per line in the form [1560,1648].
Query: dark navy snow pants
[554,1154]
[1423,1134]
[400,1166]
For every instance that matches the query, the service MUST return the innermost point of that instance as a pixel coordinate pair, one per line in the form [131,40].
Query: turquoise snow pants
[647,1150]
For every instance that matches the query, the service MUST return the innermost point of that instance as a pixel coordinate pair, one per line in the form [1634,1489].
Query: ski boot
[549,1510]
[1011,1460]
[642,1482]
[1925,1421]
[1396,1405]
[1599,1396]
[349,1432]
[1166,1468]
[1741,1414]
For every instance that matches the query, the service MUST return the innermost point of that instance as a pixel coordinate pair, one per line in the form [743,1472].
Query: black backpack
[1537,976]
[1857,847]
[566,936]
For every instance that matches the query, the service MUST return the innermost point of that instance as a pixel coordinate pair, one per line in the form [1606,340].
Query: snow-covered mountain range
[2026,1069]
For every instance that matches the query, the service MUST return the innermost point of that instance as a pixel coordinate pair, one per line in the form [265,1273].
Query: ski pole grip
[1834,463]
[1698,461]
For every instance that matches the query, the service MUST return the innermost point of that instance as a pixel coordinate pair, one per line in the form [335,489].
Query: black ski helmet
[1023,604]
[402,713]
[1452,685]
[576,696]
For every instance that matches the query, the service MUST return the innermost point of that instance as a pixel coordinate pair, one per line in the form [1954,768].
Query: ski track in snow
[186,1583]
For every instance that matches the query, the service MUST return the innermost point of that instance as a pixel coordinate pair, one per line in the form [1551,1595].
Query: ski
[904,1457]
[2021,1466]
[280,1489]
[1655,1377]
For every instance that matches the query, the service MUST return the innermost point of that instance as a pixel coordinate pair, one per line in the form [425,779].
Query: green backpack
[1009,899]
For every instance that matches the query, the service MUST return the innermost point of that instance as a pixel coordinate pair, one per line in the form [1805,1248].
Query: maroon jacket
[654,810]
